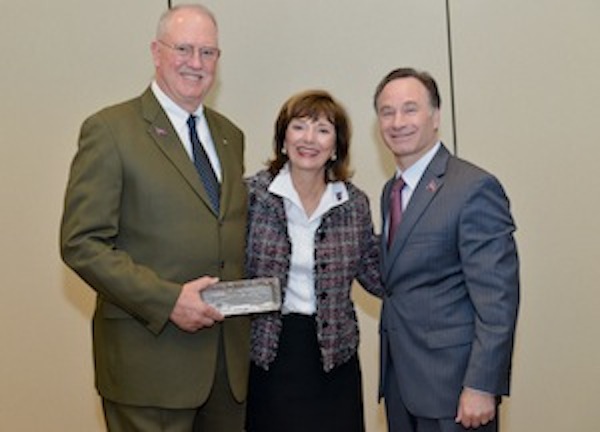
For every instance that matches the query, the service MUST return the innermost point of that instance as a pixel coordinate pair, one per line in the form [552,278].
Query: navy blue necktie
[203,165]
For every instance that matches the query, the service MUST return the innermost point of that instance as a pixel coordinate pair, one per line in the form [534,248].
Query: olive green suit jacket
[137,225]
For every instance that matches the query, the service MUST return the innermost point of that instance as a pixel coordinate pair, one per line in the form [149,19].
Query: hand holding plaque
[243,297]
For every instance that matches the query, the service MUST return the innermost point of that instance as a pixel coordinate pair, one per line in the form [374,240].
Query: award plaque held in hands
[242,297]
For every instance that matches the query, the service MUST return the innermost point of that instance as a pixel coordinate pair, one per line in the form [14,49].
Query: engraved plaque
[244,296]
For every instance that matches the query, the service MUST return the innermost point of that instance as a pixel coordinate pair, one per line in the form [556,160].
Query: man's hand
[475,408]
[190,312]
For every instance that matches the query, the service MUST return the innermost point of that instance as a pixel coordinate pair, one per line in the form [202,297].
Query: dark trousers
[400,419]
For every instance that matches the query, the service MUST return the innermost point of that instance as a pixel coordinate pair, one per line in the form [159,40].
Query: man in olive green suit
[139,228]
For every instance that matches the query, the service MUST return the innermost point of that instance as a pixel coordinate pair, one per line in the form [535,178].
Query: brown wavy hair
[314,104]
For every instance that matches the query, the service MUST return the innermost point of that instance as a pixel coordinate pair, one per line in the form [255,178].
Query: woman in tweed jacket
[311,228]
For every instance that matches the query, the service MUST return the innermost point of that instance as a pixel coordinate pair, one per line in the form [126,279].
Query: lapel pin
[431,186]
[160,131]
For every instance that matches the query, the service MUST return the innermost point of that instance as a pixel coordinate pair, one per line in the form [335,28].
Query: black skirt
[297,395]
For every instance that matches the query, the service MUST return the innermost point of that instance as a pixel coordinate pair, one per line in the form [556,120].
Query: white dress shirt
[412,177]
[179,117]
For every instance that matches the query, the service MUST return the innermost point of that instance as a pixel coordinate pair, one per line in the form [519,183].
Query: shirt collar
[335,193]
[176,114]
[413,174]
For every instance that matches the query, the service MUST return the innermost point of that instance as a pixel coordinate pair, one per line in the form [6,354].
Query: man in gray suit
[141,228]
[450,270]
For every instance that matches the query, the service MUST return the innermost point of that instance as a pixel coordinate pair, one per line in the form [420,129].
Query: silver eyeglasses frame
[187,51]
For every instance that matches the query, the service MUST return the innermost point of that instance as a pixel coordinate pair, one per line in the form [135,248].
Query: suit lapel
[166,138]
[226,159]
[428,187]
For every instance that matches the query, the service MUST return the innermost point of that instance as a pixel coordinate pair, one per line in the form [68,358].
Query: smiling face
[309,144]
[407,121]
[185,79]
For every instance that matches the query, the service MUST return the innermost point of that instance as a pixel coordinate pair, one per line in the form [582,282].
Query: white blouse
[300,291]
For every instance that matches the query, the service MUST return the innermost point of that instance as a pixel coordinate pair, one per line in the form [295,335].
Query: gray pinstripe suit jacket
[452,289]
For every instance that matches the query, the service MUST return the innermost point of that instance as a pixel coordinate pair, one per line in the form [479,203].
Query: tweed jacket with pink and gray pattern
[346,248]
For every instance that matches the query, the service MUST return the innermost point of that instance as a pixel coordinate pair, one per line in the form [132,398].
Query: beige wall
[526,83]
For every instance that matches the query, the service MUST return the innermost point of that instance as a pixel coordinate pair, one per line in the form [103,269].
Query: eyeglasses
[186,51]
